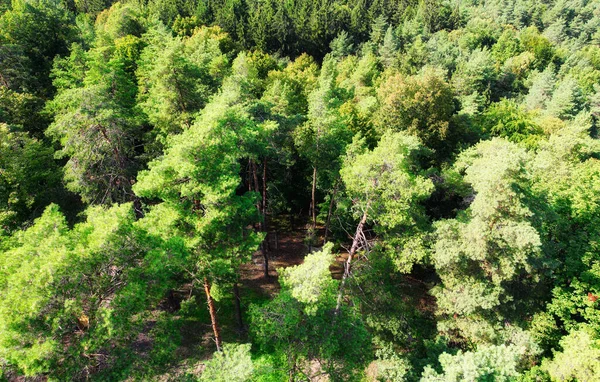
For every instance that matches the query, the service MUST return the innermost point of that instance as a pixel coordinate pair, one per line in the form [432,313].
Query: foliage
[232,364]
[421,105]
[27,167]
[299,322]
[490,249]
[458,140]
[577,360]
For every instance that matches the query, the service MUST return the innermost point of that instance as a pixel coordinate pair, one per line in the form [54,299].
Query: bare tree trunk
[238,307]
[355,242]
[213,314]
[335,189]
[313,207]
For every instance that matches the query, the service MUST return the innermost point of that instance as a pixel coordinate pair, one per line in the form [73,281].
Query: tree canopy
[299,190]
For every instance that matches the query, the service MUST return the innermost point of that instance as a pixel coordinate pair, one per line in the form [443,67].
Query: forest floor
[287,248]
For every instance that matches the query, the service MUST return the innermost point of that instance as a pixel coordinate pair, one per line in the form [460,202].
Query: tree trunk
[335,189]
[355,242]
[249,175]
[238,307]
[313,207]
[264,205]
[213,314]
[259,207]
[257,189]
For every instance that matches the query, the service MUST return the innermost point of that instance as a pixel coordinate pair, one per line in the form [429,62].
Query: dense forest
[300,190]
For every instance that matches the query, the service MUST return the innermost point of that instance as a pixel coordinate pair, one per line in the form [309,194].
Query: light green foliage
[82,286]
[383,183]
[566,100]
[232,364]
[584,67]
[480,32]
[388,50]
[96,126]
[475,74]
[443,50]
[197,178]
[389,366]
[488,246]
[567,172]
[118,21]
[579,358]
[540,46]
[312,339]
[540,91]
[323,138]
[505,361]
[488,363]
[508,46]
[341,46]
[176,76]
[421,105]
[28,177]
[69,72]
[311,281]
[289,89]
[507,120]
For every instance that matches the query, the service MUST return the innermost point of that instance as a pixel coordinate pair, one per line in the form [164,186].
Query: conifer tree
[197,181]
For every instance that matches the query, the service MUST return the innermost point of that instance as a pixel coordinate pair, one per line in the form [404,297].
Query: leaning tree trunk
[353,249]
[213,314]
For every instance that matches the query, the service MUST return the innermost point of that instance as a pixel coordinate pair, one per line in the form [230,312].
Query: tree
[71,294]
[39,31]
[232,364]
[567,175]
[507,120]
[388,50]
[197,182]
[298,323]
[29,177]
[541,89]
[503,362]
[421,105]
[177,76]
[98,128]
[491,251]
[475,75]
[578,359]
[566,100]
[540,46]
[323,137]
[381,182]
[341,46]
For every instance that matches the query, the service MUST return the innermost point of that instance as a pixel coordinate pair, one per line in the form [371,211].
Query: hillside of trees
[300,190]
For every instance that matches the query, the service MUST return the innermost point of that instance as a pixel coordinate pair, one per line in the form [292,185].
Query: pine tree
[489,251]
[196,181]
